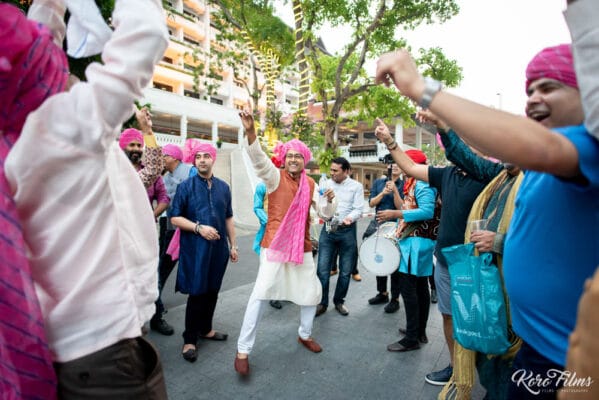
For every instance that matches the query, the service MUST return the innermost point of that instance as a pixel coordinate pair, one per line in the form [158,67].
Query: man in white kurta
[278,277]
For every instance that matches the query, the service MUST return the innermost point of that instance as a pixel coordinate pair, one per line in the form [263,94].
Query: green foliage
[341,83]
[324,158]
[435,155]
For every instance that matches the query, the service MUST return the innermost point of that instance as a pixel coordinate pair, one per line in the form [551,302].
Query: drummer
[417,235]
[387,197]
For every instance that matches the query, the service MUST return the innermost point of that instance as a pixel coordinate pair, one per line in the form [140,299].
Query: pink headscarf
[193,147]
[278,157]
[555,63]
[288,243]
[32,68]
[174,151]
[130,135]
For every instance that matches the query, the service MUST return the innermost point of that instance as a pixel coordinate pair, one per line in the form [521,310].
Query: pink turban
[417,156]
[173,151]
[553,63]
[32,68]
[130,135]
[193,147]
[298,146]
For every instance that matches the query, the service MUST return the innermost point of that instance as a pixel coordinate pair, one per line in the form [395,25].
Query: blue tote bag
[477,302]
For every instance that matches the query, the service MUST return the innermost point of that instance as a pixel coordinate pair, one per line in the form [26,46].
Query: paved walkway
[353,365]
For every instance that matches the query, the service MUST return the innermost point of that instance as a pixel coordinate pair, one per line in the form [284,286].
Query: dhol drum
[379,253]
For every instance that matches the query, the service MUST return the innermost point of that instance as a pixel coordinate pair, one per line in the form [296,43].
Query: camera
[387,159]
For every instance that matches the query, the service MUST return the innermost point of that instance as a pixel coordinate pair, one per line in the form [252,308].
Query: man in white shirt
[91,236]
[339,235]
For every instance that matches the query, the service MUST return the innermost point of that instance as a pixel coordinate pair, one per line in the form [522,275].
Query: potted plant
[219,143]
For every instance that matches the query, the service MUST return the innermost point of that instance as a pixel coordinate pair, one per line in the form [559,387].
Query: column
[399,133]
[240,137]
[183,128]
[214,132]
[418,144]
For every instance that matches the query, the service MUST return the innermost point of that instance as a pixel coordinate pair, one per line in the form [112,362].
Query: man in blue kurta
[202,211]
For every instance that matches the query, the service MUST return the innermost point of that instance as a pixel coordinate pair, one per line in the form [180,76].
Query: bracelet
[197,228]
[394,144]
[234,248]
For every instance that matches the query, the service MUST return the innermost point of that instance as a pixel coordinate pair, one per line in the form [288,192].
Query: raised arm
[264,168]
[51,14]
[582,17]
[538,149]
[105,101]
[459,153]
[407,165]
[152,156]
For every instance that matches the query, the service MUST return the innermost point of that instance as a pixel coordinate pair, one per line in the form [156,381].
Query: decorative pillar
[418,137]
[240,137]
[214,132]
[183,128]
[399,133]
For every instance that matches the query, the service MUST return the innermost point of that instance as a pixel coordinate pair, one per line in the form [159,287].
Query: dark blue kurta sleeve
[460,154]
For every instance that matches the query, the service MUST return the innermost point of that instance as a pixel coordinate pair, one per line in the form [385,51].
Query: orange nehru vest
[278,204]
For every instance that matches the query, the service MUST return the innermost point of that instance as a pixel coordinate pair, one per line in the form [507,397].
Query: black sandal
[217,336]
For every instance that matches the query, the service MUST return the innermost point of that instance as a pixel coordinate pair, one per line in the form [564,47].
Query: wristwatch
[431,88]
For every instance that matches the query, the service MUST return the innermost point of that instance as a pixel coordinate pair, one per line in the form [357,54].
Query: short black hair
[345,165]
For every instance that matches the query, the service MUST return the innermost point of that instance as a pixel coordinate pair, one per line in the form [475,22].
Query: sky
[492,40]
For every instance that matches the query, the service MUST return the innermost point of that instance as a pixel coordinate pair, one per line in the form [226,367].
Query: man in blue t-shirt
[554,232]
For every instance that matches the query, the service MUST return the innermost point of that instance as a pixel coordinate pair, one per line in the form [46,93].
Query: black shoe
[433,296]
[190,355]
[161,326]
[378,299]
[392,307]
[275,304]
[439,378]
[421,338]
[404,345]
[320,309]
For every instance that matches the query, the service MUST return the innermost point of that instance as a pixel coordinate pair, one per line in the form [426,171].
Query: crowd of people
[82,266]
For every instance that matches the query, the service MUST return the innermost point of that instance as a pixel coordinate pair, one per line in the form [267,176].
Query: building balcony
[173,73]
[198,5]
[190,24]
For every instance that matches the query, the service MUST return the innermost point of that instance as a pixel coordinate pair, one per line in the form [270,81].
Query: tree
[269,45]
[341,83]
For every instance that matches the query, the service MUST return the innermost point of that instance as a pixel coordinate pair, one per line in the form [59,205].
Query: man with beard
[132,143]
[554,229]
[202,210]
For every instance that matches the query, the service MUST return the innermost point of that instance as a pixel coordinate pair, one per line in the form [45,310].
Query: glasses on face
[294,156]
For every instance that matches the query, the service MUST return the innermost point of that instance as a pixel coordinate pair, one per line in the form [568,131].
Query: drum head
[379,255]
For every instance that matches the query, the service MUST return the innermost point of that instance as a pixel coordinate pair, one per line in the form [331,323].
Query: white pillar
[240,137]
[399,133]
[214,132]
[183,127]
[418,137]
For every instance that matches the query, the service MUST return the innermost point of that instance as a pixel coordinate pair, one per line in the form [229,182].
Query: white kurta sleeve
[264,168]
[582,17]
[51,14]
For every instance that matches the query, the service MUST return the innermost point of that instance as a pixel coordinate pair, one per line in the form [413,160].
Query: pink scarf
[288,243]
[32,69]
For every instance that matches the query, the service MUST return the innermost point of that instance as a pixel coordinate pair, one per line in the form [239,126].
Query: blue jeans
[344,242]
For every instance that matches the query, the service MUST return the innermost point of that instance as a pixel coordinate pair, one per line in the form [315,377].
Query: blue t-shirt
[551,248]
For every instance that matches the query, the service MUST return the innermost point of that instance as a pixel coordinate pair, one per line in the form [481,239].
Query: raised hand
[428,117]
[247,120]
[144,119]
[399,68]
[382,132]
